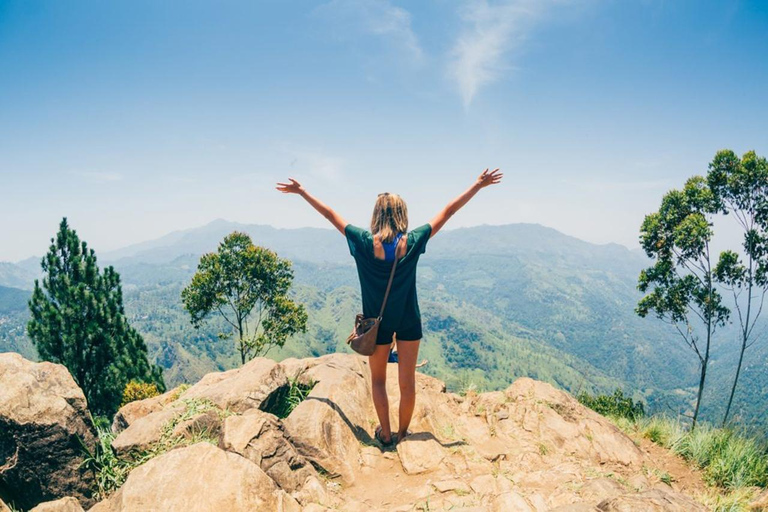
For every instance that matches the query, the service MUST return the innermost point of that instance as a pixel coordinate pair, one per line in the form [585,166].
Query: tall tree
[741,189]
[78,320]
[680,287]
[248,287]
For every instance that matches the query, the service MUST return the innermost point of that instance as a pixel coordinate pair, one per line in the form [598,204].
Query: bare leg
[407,353]
[378,364]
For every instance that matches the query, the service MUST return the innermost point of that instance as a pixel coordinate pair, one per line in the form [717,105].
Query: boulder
[235,390]
[45,424]
[68,504]
[132,411]
[555,420]
[176,481]
[420,453]
[4,507]
[654,500]
[259,437]
[327,428]
[240,389]
[145,431]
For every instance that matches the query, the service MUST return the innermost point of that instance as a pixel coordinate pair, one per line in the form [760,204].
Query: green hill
[498,302]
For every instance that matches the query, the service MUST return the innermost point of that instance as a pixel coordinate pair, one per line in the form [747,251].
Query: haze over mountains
[498,302]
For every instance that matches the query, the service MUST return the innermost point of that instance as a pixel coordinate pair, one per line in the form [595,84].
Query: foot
[385,440]
[403,435]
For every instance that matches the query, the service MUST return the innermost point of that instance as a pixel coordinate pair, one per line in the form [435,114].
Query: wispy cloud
[375,17]
[314,162]
[99,176]
[490,33]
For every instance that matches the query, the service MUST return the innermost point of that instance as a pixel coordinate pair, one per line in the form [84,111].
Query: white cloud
[376,17]
[99,176]
[490,33]
[313,161]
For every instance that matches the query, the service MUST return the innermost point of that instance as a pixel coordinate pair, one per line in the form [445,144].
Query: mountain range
[498,302]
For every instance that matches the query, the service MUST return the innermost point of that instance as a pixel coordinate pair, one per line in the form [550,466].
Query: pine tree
[78,320]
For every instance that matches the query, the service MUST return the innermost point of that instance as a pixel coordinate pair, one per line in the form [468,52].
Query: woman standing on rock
[374,252]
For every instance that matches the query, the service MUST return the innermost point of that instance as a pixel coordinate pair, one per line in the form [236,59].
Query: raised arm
[484,180]
[294,187]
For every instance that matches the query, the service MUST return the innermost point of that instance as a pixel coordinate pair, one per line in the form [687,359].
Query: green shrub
[616,405]
[111,471]
[285,399]
[729,459]
[137,390]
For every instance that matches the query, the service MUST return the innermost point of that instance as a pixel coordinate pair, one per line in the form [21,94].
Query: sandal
[377,435]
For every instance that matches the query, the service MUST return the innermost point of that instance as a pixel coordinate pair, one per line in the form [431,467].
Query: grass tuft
[111,471]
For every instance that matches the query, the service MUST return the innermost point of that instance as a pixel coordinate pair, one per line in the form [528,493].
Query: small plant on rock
[137,390]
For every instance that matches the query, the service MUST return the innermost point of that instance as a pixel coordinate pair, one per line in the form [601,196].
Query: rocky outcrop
[259,437]
[201,478]
[329,426]
[45,424]
[233,391]
[530,447]
[240,389]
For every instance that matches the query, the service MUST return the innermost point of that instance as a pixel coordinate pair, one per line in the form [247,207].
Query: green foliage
[137,390]
[286,398]
[616,405]
[241,280]
[681,287]
[111,471]
[78,320]
[741,189]
[728,458]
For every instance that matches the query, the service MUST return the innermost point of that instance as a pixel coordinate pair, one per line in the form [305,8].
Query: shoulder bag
[363,337]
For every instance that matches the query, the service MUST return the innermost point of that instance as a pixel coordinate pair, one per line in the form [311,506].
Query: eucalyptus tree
[740,187]
[77,319]
[680,287]
[248,287]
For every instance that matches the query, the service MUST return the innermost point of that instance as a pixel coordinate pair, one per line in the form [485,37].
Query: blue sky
[138,118]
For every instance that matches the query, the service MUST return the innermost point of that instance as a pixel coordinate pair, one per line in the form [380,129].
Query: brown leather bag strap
[389,285]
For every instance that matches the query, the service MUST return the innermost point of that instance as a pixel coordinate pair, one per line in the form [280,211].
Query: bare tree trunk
[240,339]
[744,339]
[735,381]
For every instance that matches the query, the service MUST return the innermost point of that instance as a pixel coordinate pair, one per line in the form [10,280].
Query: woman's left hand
[294,187]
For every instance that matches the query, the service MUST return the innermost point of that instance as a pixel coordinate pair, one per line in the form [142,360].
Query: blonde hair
[390,216]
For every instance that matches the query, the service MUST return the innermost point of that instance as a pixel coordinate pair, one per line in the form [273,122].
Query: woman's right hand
[294,187]
[489,178]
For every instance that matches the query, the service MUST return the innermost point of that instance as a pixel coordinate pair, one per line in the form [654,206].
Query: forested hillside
[498,302]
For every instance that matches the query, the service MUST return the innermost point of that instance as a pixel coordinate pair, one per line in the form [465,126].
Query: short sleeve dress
[402,315]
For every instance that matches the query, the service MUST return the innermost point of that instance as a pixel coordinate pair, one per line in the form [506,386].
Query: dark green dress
[402,315]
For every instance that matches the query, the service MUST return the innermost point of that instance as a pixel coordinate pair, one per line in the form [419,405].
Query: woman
[374,252]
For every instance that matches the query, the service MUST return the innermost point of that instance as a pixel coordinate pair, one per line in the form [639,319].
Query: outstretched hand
[489,178]
[294,187]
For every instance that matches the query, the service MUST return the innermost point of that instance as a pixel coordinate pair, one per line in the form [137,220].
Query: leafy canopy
[247,286]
